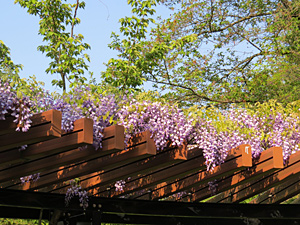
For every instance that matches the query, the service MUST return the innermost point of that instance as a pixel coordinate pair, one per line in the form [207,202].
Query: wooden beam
[45,126]
[99,180]
[194,162]
[8,126]
[238,158]
[113,141]
[279,193]
[142,149]
[54,160]
[121,207]
[257,186]
[269,161]
[81,135]
[23,213]
[159,220]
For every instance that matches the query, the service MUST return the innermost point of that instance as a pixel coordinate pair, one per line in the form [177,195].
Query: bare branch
[234,23]
[245,62]
[75,14]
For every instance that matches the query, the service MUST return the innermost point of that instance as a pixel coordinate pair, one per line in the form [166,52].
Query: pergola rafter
[154,175]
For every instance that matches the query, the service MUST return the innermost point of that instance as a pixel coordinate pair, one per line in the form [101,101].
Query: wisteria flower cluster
[165,123]
[212,186]
[285,133]
[243,126]
[215,144]
[33,178]
[76,190]
[81,103]
[119,185]
[265,131]
[20,108]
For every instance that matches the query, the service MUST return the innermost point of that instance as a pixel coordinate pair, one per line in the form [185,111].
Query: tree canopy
[206,52]
[211,51]
[65,48]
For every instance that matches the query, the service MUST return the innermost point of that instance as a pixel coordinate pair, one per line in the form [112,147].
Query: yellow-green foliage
[266,112]
[5,221]
[273,107]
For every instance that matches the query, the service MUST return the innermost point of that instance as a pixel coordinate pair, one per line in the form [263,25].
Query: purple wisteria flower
[75,190]
[165,123]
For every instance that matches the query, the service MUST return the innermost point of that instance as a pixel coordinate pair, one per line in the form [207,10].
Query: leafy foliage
[6,64]
[126,71]
[21,222]
[222,52]
[65,49]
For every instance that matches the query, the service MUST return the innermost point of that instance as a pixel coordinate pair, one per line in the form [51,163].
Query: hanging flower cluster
[76,190]
[165,123]
[19,107]
[81,103]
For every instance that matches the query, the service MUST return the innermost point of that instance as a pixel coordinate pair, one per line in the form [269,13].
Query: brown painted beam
[53,160]
[238,158]
[142,149]
[279,193]
[80,136]
[100,180]
[269,161]
[8,126]
[253,187]
[45,126]
[113,141]
[194,162]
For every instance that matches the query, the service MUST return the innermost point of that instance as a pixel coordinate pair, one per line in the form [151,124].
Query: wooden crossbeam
[193,163]
[269,161]
[8,126]
[237,159]
[85,217]
[101,180]
[81,135]
[147,209]
[142,147]
[112,141]
[45,126]
[279,193]
[55,160]
[253,187]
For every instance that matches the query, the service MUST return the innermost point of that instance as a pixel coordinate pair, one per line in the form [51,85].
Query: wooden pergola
[165,187]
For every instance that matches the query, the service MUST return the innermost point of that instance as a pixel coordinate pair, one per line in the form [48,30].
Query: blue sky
[19,31]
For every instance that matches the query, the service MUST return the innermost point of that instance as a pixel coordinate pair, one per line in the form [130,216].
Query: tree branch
[246,61]
[234,23]
[73,21]
[202,97]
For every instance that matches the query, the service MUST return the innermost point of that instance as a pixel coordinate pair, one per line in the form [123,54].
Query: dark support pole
[96,218]
[40,217]
[55,217]
[150,194]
